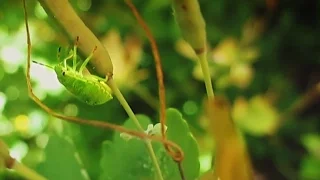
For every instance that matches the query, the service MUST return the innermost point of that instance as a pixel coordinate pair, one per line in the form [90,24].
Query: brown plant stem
[181,171]
[177,156]
[156,55]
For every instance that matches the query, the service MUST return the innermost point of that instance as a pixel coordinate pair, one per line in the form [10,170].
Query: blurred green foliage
[263,56]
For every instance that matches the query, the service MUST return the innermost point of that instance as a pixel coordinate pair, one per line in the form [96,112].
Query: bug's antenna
[43,64]
[59,54]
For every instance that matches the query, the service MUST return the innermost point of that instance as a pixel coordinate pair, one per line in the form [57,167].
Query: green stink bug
[89,89]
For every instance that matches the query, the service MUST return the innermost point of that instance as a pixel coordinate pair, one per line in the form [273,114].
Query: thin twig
[161,86]
[181,170]
[156,55]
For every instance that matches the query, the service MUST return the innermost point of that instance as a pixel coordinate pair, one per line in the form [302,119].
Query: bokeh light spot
[19,150]
[205,162]
[37,122]
[5,126]
[12,93]
[71,110]
[190,107]
[84,5]
[11,57]
[42,140]
[21,123]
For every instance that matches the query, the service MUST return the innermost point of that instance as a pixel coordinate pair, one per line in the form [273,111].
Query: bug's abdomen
[88,90]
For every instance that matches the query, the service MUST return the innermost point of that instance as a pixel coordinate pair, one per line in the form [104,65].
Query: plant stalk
[132,116]
[193,30]
[26,172]
[206,74]
[154,159]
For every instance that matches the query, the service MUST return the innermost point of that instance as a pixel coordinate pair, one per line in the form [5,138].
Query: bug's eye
[63,73]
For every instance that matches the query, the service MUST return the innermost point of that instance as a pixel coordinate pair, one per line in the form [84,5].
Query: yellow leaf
[125,56]
[226,53]
[257,116]
[241,75]
[231,158]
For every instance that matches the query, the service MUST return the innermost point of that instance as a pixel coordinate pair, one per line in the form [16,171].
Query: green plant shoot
[90,89]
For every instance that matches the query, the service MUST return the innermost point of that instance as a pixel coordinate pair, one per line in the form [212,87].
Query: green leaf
[178,132]
[130,159]
[126,159]
[61,161]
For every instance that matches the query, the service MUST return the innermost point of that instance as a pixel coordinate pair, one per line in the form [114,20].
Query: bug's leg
[98,78]
[87,60]
[67,58]
[75,54]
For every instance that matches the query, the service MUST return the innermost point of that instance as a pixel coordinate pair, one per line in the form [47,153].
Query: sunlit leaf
[125,56]
[241,75]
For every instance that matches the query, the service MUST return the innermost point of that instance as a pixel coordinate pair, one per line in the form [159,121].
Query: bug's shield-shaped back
[90,90]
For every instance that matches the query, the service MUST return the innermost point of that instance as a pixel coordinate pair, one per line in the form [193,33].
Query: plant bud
[192,25]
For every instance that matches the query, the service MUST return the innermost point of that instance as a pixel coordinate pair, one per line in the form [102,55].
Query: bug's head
[60,69]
